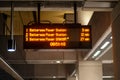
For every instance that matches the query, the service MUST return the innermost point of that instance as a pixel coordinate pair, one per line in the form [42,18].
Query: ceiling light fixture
[96,54]
[11,42]
[105,45]
[11,45]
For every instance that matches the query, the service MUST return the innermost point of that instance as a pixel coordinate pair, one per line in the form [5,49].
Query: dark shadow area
[5,76]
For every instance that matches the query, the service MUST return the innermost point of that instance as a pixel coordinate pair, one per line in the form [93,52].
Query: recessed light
[96,54]
[105,45]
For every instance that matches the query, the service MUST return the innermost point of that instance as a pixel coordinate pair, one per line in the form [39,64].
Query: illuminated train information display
[57,36]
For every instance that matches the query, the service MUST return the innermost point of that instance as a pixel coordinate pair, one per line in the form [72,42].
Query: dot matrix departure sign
[57,36]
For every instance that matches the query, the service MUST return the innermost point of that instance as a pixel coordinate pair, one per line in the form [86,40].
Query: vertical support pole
[75,13]
[12,42]
[34,16]
[11,23]
[38,12]
[116,40]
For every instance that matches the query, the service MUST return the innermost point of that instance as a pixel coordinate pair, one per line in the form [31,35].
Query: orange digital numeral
[82,39]
[87,39]
[87,30]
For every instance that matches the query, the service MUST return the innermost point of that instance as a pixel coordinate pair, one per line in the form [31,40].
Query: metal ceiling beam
[102,0]
[98,4]
[8,69]
[60,0]
[54,9]
[43,0]
[58,6]
[98,43]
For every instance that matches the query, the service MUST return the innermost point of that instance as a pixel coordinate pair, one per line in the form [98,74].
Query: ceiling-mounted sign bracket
[57,36]
[11,41]
[39,9]
[75,12]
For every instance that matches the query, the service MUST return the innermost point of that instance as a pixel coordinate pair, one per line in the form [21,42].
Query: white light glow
[111,37]
[96,54]
[104,52]
[108,77]
[11,50]
[105,45]
[58,62]
[107,61]
[75,74]
[54,76]
[11,45]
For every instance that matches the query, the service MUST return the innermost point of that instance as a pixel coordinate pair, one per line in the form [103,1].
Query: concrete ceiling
[42,63]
